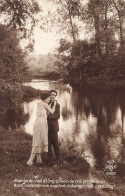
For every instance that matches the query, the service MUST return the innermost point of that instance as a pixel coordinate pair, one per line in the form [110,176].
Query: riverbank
[30,92]
[95,82]
[60,178]
[106,83]
[47,75]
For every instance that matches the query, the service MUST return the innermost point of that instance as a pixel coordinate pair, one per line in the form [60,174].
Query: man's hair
[53,91]
[45,95]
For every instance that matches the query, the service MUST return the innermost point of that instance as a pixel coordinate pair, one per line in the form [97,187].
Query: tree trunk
[97,35]
[106,26]
[70,17]
[120,23]
[121,32]
[95,13]
[80,73]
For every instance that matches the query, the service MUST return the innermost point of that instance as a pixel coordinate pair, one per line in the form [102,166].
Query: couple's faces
[51,97]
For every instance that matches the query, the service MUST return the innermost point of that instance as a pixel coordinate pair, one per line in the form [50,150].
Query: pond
[92,120]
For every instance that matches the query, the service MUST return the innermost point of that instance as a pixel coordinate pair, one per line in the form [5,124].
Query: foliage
[21,15]
[12,66]
[18,19]
[102,56]
[42,65]
[65,18]
[30,93]
[80,62]
[74,57]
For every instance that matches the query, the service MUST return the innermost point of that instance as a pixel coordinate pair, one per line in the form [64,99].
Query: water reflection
[30,108]
[92,120]
[13,119]
[42,84]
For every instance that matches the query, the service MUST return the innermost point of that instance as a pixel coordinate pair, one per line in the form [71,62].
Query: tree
[80,55]
[12,65]
[18,19]
[103,20]
[21,15]
[73,57]
[94,8]
[119,6]
[66,18]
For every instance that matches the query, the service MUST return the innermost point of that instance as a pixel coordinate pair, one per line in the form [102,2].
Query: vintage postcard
[62,97]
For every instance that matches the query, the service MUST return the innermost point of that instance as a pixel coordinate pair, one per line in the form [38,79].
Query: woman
[40,129]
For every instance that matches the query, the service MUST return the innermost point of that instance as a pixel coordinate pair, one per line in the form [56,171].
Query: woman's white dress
[40,129]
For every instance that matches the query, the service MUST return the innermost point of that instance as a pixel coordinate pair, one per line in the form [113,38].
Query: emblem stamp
[110,168]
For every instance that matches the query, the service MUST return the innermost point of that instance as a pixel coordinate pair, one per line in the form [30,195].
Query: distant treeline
[42,65]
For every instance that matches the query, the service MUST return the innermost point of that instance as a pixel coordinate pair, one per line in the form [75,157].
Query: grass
[30,92]
[15,147]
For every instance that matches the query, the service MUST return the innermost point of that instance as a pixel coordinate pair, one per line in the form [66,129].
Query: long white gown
[40,129]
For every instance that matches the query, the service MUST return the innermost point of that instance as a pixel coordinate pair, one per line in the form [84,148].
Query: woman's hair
[45,96]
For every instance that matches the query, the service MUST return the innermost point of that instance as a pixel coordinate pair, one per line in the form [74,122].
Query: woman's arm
[56,114]
[49,109]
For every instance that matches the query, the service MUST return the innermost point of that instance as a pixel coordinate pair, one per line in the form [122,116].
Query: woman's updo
[45,96]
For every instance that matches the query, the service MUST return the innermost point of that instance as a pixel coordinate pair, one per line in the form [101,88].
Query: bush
[12,66]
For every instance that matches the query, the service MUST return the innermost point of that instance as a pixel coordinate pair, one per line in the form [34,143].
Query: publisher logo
[110,168]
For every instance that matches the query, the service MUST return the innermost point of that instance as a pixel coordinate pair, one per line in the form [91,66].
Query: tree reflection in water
[97,119]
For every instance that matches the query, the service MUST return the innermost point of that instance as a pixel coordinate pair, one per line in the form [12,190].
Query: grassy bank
[15,147]
[47,75]
[30,92]
[15,151]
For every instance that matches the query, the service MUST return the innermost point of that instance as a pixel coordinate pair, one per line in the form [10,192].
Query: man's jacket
[53,119]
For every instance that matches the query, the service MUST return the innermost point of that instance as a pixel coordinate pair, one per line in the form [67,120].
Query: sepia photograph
[62,97]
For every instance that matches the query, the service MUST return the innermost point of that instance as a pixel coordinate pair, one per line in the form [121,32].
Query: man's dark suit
[53,128]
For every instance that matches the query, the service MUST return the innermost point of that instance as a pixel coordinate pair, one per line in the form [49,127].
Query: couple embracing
[45,128]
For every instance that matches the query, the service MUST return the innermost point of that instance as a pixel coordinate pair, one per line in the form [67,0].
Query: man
[53,127]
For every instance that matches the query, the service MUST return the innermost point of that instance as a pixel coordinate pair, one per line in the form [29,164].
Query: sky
[46,42]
